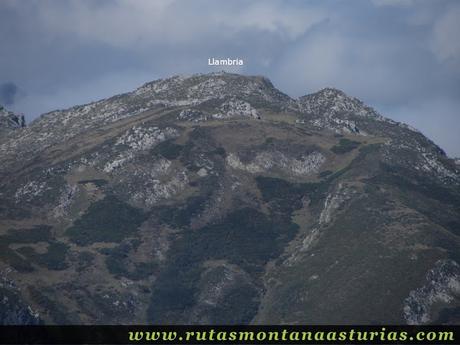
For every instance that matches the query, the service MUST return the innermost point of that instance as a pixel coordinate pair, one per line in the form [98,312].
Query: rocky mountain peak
[332,102]
[199,88]
[10,121]
[232,94]
[332,93]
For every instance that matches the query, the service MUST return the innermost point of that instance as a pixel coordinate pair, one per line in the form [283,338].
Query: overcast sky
[400,56]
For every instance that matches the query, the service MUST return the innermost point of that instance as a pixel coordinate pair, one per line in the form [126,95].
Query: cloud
[314,63]
[396,3]
[376,69]
[141,23]
[446,42]
[275,18]
[8,92]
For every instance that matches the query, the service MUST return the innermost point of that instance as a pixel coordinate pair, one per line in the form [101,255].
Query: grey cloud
[141,23]
[8,92]
[446,43]
[397,3]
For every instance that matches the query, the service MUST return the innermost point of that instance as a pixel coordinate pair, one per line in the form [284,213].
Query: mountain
[217,199]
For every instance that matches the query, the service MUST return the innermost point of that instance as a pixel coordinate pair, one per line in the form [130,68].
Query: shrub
[344,146]
[107,220]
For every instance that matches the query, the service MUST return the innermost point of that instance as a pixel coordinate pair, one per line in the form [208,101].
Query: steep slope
[218,199]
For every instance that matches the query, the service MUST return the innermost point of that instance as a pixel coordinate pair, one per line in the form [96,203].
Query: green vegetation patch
[179,216]
[40,233]
[344,146]
[168,149]
[356,238]
[53,259]
[107,220]
[325,173]
[246,237]
[11,258]
[98,182]
[407,181]
[220,151]
[422,194]
[84,261]
[118,264]
[270,141]
[285,197]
